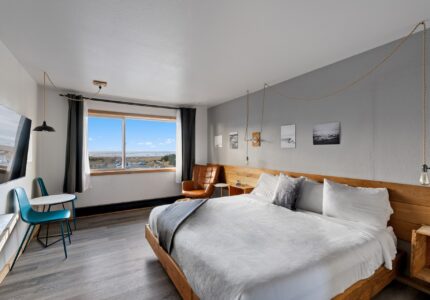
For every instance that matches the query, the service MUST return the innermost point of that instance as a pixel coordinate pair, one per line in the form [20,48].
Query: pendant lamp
[44,126]
[424,177]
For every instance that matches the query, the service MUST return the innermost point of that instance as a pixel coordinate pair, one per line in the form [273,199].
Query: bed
[242,247]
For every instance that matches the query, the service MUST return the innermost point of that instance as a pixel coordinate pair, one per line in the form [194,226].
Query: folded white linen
[244,248]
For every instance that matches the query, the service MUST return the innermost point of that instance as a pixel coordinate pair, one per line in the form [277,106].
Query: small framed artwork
[234,140]
[256,139]
[288,136]
[218,141]
[327,134]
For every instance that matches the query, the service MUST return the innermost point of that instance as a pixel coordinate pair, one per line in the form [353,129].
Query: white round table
[221,186]
[52,199]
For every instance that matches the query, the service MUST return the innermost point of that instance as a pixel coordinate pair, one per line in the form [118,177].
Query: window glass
[105,142]
[150,143]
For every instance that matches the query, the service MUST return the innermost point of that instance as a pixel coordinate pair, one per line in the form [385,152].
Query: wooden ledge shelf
[130,171]
[420,254]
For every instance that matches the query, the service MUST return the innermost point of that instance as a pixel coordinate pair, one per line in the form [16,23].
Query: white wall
[110,188]
[18,91]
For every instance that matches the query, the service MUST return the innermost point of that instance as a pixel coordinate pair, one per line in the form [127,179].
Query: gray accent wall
[380,119]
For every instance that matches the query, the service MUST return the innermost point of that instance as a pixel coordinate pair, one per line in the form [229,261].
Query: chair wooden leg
[62,236]
[20,246]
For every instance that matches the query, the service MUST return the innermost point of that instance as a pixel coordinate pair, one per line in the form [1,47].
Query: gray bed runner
[172,217]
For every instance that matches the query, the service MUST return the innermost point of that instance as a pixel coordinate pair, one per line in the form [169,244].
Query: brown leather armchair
[202,184]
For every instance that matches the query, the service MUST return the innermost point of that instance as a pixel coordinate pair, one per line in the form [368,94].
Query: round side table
[221,186]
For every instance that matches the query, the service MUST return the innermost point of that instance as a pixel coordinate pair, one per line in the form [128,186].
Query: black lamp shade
[44,127]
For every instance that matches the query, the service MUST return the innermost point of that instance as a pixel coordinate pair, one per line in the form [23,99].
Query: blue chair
[44,192]
[33,218]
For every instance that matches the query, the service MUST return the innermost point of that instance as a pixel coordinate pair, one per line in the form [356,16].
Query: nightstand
[420,253]
[239,189]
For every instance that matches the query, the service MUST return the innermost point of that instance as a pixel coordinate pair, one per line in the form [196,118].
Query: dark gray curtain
[73,179]
[188,134]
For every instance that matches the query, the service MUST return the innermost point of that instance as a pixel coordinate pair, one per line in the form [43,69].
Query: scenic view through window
[130,143]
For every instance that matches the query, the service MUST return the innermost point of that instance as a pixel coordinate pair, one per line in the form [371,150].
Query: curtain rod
[121,102]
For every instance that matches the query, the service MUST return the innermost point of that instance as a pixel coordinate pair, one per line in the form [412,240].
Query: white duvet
[243,248]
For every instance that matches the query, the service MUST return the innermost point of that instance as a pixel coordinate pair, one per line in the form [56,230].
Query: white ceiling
[194,51]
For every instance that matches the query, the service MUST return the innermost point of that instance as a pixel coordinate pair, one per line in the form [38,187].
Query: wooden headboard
[411,203]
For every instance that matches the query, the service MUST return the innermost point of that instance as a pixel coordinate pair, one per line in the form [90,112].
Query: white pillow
[369,206]
[266,186]
[311,196]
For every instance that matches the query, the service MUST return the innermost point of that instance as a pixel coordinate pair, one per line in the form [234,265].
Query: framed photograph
[288,136]
[234,140]
[218,141]
[327,134]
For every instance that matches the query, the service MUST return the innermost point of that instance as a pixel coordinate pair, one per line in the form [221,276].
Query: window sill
[129,171]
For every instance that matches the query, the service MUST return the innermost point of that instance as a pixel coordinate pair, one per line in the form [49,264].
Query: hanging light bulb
[424,178]
[44,126]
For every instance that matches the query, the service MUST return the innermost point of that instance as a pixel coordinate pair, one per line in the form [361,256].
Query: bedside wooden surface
[420,253]
[239,189]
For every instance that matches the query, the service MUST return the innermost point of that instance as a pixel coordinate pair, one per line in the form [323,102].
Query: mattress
[243,247]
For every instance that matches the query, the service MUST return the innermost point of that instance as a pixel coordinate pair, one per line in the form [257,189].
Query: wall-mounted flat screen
[14,141]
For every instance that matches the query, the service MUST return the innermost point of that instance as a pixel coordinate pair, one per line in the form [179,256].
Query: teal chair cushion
[31,216]
[35,217]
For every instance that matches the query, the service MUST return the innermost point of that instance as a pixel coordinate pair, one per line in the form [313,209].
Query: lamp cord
[361,77]
[424,112]
[44,96]
[246,128]
[262,110]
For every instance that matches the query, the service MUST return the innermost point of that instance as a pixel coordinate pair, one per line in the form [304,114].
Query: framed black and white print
[218,141]
[288,136]
[327,134]
[234,140]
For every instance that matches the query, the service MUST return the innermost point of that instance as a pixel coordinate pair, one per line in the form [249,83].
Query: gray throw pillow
[287,191]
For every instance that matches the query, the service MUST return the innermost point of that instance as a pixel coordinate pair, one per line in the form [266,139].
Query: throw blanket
[171,218]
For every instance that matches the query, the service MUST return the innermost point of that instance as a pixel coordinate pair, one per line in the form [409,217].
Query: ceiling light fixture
[44,126]
[100,84]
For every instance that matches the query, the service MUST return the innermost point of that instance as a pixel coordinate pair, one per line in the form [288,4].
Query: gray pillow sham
[287,191]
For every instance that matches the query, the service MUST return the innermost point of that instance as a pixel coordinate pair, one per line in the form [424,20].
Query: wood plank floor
[109,258]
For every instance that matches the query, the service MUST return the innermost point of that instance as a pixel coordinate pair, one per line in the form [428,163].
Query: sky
[105,134]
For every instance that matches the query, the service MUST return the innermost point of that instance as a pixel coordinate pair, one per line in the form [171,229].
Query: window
[125,143]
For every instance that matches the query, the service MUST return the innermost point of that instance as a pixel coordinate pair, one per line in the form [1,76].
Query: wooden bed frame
[411,207]
[362,290]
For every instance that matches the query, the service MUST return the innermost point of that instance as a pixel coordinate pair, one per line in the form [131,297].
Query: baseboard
[108,208]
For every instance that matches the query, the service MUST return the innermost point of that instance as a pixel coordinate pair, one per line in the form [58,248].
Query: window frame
[123,116]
